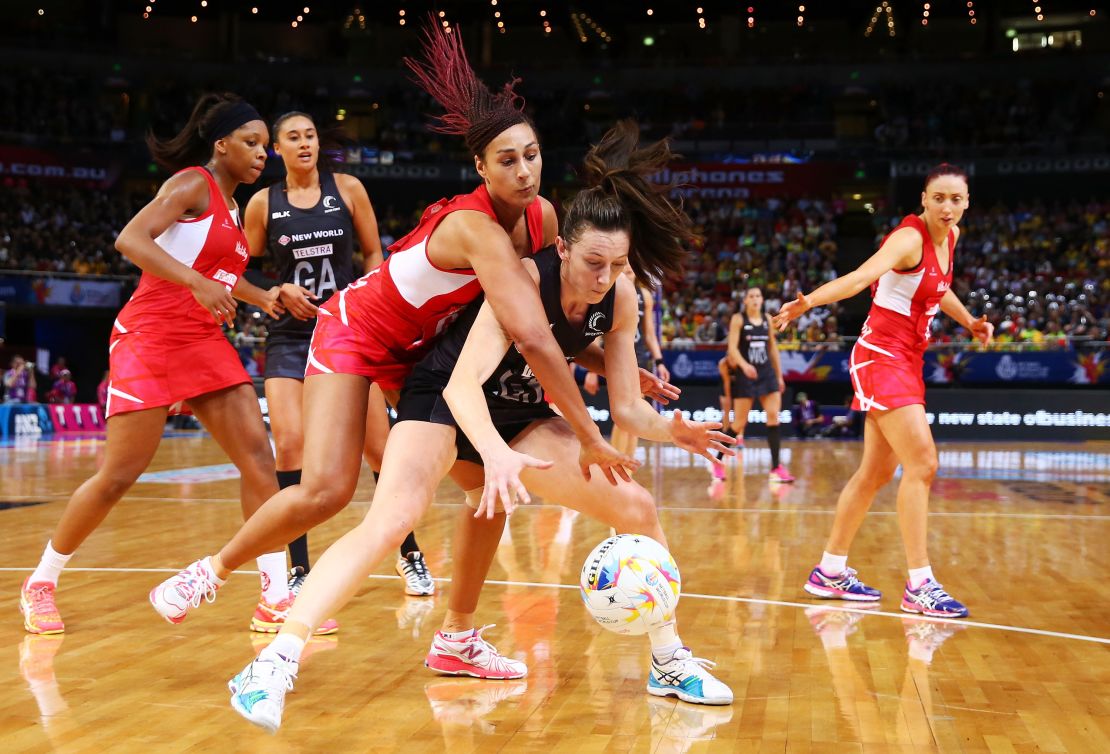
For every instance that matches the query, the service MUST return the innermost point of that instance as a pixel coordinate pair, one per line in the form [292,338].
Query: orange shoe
[268,619]
[40,613]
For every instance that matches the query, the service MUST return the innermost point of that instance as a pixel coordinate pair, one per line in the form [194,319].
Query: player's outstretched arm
[515,300]
[902,250]
[485,346]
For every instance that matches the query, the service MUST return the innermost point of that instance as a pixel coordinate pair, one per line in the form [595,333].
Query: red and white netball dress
[887,361]
[166,347]
[383,323]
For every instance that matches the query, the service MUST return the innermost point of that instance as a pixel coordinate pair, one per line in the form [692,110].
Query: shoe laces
[296,580]
[485,644]
[849,577]
[42,600]
[933,591]
[198,586]
[279,668]
[686,657]
[415,566]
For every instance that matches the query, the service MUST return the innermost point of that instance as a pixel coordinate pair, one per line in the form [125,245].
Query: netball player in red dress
[167,345]
[375,330]
[910,278]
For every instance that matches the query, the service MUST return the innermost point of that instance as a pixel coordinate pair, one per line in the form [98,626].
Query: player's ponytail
[193,145]
[472,110]
[619,195]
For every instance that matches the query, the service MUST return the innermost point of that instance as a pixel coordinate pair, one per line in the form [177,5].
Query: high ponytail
[472,110]
[193,145]
[619,195]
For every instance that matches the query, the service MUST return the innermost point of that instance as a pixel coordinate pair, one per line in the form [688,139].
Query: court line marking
[689,595]
[662,509]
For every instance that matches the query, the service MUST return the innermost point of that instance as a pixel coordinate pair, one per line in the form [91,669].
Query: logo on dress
[279,215]
[942,286]
[330,205]
[240,249]
[593,327]
[284,240]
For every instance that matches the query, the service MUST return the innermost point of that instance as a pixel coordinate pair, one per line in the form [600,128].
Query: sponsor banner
[954,414]
[24,420]
[76,417]
[941,368]
[46,291]
[43,165]
[718,180]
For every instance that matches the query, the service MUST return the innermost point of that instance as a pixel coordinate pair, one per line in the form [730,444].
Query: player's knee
[322,501]
[288,449]
[114,483]
[923,469]
[640,514]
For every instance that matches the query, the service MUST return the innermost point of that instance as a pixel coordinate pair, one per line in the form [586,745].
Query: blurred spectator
[64,389]
[19,382]
[807,416]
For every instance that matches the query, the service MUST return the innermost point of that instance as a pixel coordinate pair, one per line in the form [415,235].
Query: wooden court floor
[1020,532]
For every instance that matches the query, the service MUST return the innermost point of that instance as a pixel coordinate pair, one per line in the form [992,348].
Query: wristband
[659,362]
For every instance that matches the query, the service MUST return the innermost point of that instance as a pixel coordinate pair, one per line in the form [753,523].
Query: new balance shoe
[268,618]
[843,587]
[258,692]
[688,678]
[174,597]
[40,612]
[780,474]
[414,572]
[930,599]
[472,656]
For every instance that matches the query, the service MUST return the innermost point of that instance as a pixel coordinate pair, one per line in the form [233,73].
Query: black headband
[231,119]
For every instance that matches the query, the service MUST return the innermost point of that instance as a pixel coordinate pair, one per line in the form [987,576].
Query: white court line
[665,508]
[689,595]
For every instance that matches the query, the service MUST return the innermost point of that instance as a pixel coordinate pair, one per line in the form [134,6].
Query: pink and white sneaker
[780,474]
[472,656]
[174,597]
[718,471]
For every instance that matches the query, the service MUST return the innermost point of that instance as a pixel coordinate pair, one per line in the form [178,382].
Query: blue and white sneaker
[258,693]
[931,599]
[843,587]
[688,678]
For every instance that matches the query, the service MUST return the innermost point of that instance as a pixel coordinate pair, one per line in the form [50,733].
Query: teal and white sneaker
[688,678]
[258,693]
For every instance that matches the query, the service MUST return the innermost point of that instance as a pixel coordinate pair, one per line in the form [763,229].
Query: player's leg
[131,441]
[334,412]
[417,456]
[907,431]
[629,508]
[284,400]
[772,405]
[832,578]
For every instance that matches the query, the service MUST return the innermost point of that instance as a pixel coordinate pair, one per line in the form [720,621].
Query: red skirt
[338,348]
[884,380]
[150,370]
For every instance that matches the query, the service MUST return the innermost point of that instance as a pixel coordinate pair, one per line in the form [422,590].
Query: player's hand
[749,371]
[298,301]
[612,462]
[790,310]
[982,330]
[700,438]
[658,388]
[503,468]
[271,302]
[782,384]
[662,372]
[591,383]
[215,298]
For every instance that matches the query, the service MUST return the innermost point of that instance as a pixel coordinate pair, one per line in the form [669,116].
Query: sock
[457,635]
[664,641]
[206,564]
[285,646]
[50,566]
[774,439]
[271,567]
[728,431]
[376,475]
[298,552]
[919,576]
[833,565]
[409,545]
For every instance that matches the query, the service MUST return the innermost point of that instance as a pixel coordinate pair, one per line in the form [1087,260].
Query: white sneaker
[185,589]
[258,693]
[688,678]
[414,571]
[473,656]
